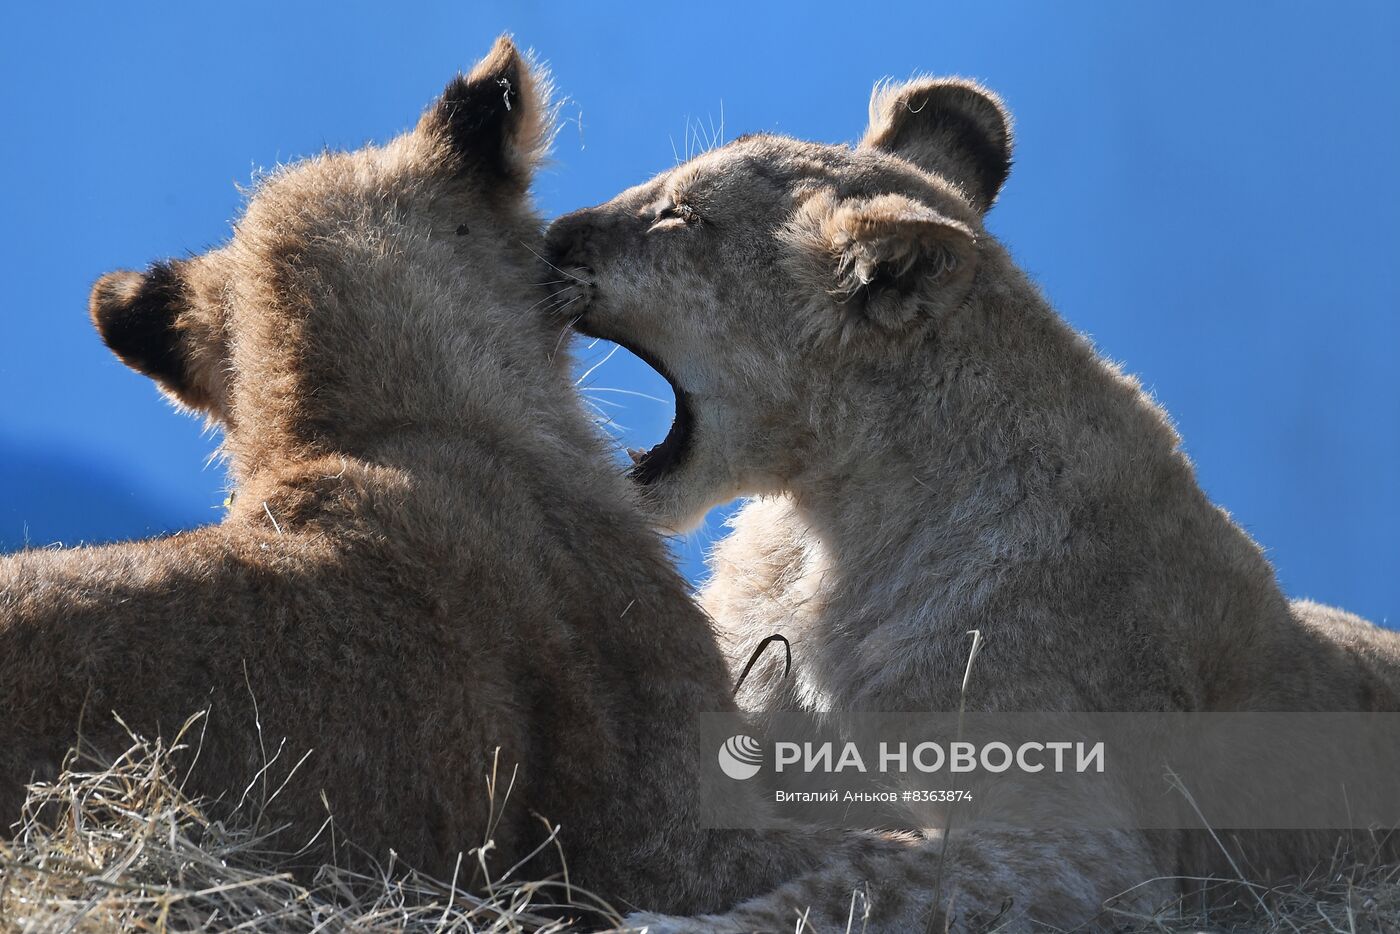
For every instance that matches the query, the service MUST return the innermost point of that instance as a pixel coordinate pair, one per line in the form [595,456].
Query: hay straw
[118,845]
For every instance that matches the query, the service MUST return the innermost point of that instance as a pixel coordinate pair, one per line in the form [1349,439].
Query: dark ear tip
[503,61]
[954,126]
[504,46]
[491,122]
[135,315]
[975,99]
[112,294]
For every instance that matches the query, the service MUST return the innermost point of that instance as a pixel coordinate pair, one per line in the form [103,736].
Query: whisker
[589,372]
[629,392]
[557,309]
[553,296]
[607,422]
[564,333]
[551,265]
[612,424]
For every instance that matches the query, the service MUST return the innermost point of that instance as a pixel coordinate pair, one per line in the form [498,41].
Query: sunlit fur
[936,452]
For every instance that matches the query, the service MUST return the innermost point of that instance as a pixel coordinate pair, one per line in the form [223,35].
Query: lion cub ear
[948,126]
[494,121]
[147,320]
[887,261]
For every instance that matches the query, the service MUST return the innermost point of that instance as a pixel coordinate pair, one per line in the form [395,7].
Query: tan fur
[941,453]
[429,557]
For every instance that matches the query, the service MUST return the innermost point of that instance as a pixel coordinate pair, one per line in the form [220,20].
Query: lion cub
[941,453]
[429,558]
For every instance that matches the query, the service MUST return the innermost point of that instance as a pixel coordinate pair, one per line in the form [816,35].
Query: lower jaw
[656,464]
[665,459]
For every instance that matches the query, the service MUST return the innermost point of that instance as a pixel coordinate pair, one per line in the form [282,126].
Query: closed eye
[675,211]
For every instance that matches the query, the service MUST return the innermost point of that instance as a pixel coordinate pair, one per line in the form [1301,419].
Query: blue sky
[1208,189]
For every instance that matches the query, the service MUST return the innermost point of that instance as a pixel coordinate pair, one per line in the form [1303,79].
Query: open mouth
[650,465]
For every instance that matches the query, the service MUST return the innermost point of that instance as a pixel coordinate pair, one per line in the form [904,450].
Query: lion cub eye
[675,211]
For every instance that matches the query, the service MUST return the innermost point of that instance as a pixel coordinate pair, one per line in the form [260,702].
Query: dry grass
[119,846]
[1352,892]
[1346,897]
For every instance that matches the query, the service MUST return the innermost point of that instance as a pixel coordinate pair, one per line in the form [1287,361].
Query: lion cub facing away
[840,328]
[430,556]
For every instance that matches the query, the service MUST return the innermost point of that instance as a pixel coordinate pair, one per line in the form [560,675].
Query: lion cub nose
[567,240]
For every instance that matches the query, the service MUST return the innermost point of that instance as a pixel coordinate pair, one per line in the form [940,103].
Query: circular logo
[740,757]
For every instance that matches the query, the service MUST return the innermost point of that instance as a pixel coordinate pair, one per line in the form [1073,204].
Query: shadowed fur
[150,323]
[936,451]
[950,127]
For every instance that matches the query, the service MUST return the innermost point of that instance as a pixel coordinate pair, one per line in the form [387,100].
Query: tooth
[636,454]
